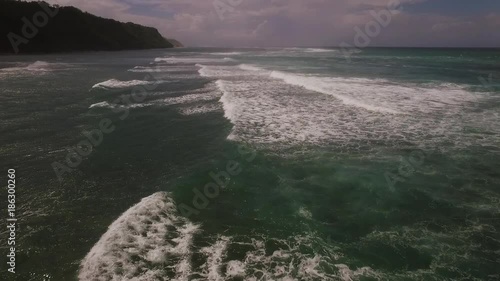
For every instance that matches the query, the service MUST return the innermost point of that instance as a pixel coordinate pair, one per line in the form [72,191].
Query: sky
[318,23]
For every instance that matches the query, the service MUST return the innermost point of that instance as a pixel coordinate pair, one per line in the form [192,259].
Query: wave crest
[117,84]
[142,244]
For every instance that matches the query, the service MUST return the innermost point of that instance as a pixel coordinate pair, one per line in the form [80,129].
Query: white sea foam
[36,67]
[215,71]
[253,68]
[105,104]
[337,87]
[229,103]
[227,54]
[200,109]
[289,262]
[215,253]
[117,84]
[287,108]
[192,98]
[160,68]
[310,50]
[142,244]
[319,50]
[332,86]
[263,112]
[39,66]
[346,274]
[235,269]
[142,69]
[305,213]
[196,102]
[191,60]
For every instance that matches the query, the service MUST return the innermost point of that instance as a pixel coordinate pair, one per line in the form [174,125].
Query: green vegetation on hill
[36,27]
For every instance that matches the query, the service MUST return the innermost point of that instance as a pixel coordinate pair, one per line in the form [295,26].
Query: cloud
[292,22]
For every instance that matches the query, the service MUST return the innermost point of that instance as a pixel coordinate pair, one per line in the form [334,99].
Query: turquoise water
[255,164]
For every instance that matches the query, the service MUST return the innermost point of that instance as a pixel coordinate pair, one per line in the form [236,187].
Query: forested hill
[36,27]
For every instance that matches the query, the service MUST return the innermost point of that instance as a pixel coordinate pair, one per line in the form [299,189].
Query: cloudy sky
[252,23]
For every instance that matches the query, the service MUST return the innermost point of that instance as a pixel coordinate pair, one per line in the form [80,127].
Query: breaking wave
[151,241]
[332,86]
[190,60]
[117,84]
[105,104]
[36,67]
[227,54]
[291,108]
[159,68]
[144,243]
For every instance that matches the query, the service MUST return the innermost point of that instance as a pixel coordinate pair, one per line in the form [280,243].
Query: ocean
[254,164]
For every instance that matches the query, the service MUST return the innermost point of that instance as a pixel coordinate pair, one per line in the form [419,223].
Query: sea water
[256,164]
